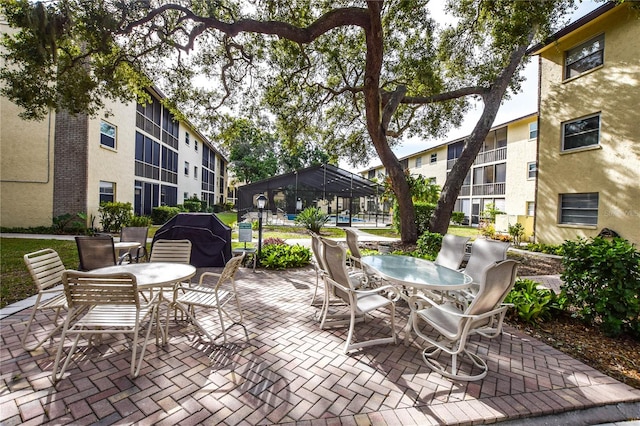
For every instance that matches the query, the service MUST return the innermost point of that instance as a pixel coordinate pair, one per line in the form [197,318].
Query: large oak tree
[350,74]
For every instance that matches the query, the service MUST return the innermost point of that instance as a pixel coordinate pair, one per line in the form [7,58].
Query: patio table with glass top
[416,274]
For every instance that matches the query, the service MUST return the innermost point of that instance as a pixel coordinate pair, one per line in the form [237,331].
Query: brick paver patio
[290,372]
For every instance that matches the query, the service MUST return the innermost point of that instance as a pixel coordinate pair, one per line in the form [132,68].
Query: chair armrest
[208,274]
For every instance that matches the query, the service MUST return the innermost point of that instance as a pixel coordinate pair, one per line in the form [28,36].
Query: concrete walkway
[291,372]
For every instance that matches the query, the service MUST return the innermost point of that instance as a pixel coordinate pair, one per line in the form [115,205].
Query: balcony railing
[489,189]
[499,154]
[465,190]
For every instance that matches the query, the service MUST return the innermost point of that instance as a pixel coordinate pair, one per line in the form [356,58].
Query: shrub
[602,282]
[312,219]
[140,221]
[283,256]
[272,240]
[487,229]
[70,224]
[115,215]
[457,217]
[192,206]
[545,248]
[533,303]
[516,231]
[423,215]
[160,215]
[428,245]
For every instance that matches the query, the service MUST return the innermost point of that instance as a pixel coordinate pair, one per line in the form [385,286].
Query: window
[185,196]
[419,162]
[531,208]
[195,145]
[434,158]
[579,209]
[107,192]
[432,181]
[532,170]
[581,133]
[186,168]
[107,135]
[582,58]
[533,130]
[186,139]
[195,172]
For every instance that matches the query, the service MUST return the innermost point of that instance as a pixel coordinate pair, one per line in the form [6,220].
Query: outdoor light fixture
[298,204]
[261,201]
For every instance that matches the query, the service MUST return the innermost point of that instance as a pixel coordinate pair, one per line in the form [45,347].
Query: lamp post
[298,205]
[262,201]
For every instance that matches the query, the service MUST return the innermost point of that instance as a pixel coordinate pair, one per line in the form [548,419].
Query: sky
[519,105]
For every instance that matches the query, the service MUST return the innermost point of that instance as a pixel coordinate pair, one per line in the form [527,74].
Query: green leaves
[602,283]
[284,256]
[533,303]
[312,218]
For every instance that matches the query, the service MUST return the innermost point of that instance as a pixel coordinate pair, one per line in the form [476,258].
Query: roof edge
[534,50]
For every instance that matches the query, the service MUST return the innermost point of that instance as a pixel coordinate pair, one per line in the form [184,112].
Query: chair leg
[152,314]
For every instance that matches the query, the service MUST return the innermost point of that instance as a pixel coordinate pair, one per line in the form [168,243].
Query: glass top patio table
[416,273]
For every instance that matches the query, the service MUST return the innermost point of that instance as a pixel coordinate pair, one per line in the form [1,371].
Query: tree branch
[447,96]
[333,19]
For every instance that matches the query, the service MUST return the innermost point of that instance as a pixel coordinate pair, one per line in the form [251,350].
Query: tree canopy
[350,75]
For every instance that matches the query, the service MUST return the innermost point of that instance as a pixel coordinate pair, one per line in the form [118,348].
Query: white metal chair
[483,253]
[318,262]
[216,297]
[45,267]
[113,306]
[455,324]
[352,244]
[174,251]
[452,251]
[360,302]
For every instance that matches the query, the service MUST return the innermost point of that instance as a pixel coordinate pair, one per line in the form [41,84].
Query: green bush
[283,256]
[193,206]
[160,215]
[115,215]
[545,248]
[457,217]
[70,224]
[516,231]
[423,215]
[533,303]
[602,283]
[428,245]
[312,219]
[140,221]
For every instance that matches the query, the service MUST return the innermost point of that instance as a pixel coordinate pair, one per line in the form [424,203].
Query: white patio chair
[317,261]
[113,307]
[483,253]
[216,297]
[452,251]
[454,325]
[360,302]
[46,270]
[173,251]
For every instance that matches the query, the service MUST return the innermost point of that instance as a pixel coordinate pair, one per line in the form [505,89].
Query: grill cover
[210,238]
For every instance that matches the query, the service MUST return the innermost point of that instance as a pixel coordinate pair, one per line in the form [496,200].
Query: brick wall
[70,164]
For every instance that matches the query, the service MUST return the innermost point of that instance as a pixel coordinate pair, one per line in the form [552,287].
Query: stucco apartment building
[573,169]
[503,173]
[589,140]
[69,164]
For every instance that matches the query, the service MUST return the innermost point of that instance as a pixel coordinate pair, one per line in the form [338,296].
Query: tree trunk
[375,125]
[442,215]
